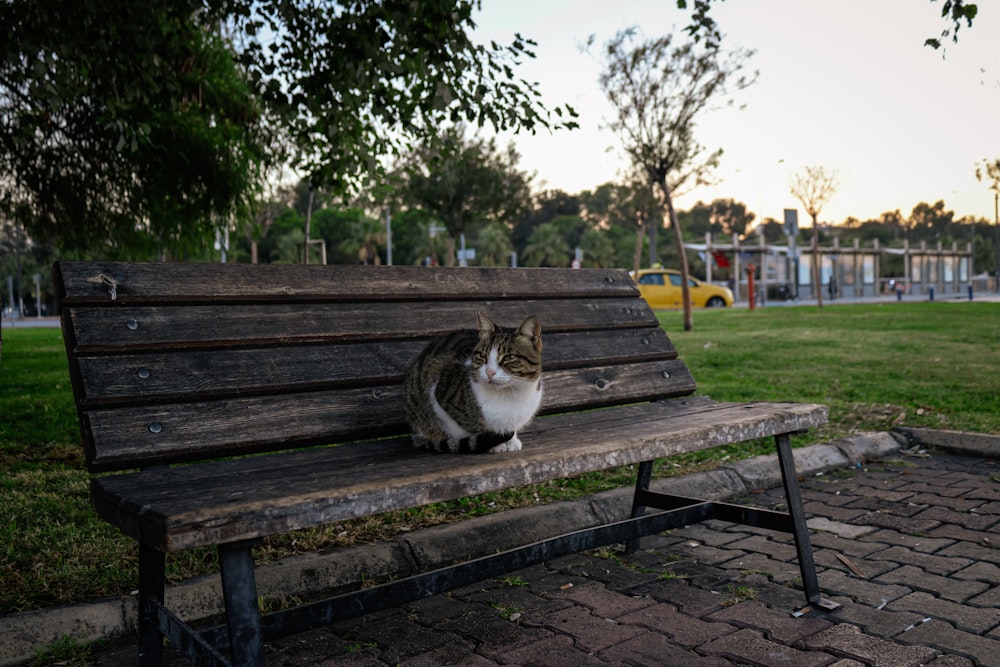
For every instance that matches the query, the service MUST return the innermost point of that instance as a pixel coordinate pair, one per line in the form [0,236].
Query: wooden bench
[213,393]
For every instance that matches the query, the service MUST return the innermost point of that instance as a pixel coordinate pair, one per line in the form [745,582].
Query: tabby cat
[470,391]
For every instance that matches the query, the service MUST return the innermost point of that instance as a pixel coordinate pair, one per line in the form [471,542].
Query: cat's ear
[533,330]
[486,326]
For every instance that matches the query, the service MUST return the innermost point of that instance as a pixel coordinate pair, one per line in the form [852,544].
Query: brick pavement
[907,546]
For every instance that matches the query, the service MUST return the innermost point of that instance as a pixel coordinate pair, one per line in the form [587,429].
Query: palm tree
[547,247]
[493,246]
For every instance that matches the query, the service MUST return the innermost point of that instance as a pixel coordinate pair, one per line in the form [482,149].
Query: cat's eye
[507,358]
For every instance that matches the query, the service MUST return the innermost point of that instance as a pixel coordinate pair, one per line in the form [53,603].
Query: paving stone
[953,532]
[558,651]
[988,508]
[991,492]
[655,649]
[457,654]
[950,661]
[990,598]
[846,542]
[706,534]
[946,587]
[396,637]
[601,601]
[882,495]
[987,572]
[920,543]
[970,520]
[842,514]
[850,642]
[786,599]
[608,571]
[958,503]
[861,591]
[885,622]
[984,650]
[963,617]
[760,544]
[973,551]
[748,645]
[319,647]
[492,635]
[682,629]
[832,497]
[589,631]
[781,571]
[433,610]
[903,524]
[871,567]
[777,625]
[941,490]
[931,563]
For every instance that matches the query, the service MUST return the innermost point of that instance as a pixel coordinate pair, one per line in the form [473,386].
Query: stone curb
[22,634]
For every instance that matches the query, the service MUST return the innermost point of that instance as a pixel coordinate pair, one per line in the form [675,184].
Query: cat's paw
[512,445]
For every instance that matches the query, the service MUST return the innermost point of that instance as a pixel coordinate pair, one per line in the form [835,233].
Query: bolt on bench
[234,402]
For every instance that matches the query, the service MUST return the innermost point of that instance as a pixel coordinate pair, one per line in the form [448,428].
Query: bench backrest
[180,362]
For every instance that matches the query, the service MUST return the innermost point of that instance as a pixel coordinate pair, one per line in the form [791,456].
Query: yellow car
[662,289]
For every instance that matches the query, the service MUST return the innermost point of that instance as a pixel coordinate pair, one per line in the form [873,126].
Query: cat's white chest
[506,409]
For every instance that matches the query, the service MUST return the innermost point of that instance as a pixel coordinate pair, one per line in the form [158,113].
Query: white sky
[845,84]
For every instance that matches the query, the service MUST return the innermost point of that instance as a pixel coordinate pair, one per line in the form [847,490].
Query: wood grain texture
[251,497]
[191,283]
[142,435]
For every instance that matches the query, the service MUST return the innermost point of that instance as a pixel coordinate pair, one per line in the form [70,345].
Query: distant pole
[309,213]
[388,235]
[996,237]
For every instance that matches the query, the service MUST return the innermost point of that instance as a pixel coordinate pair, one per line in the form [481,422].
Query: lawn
[920,364]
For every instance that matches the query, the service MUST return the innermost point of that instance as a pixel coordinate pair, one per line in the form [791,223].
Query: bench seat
[225,501]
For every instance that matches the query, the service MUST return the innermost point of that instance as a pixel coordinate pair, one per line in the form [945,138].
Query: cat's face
[505,358]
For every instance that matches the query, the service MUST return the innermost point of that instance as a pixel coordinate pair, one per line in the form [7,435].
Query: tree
[123,126]
[814,186]
[703,26]
[464,181]
[493,246]
[732,217]
[932,222]
[547,246]
[658,89]
[149,126]
[990,171]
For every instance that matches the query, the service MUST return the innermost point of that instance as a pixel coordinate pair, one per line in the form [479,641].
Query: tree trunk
[679,240]
[639,235]
[815,265]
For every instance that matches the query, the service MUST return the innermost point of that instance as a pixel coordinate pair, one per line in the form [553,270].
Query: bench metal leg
[793,498]
[239,589]
[152,564]
[642,478]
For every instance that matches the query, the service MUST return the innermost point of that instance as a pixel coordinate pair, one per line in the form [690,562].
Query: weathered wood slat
[201,374]
[126,437]
[263,495]
[91,283]
[182,327]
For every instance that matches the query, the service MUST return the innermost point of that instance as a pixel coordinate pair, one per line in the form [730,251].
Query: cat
[472,390]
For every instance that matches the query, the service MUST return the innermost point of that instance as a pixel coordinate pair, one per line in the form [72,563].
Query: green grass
[932,365]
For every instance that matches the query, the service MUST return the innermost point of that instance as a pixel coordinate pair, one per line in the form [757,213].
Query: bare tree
[814,187]
[658,89]
[989,171]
